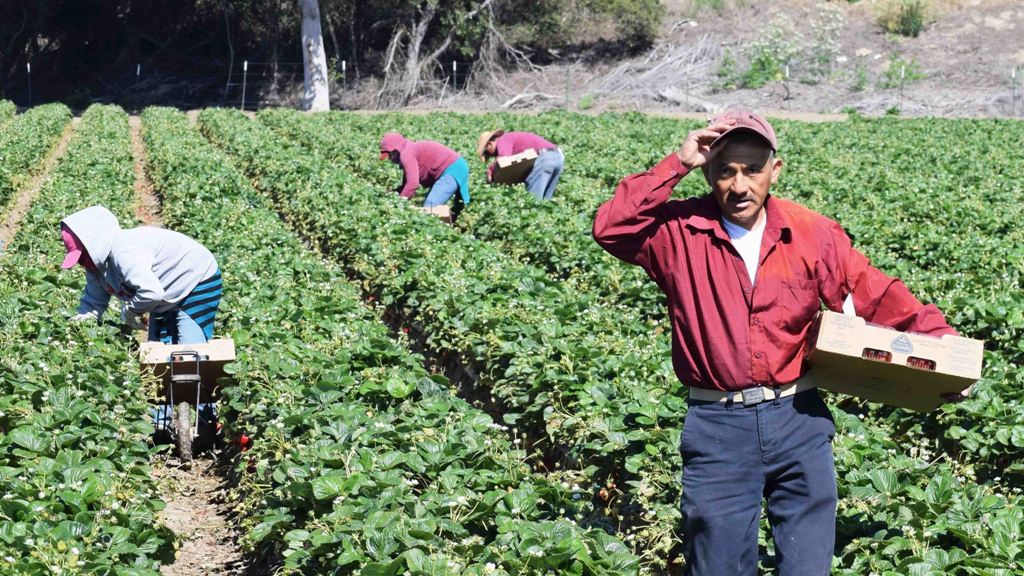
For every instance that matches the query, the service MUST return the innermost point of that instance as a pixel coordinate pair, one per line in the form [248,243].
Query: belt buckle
[752,396]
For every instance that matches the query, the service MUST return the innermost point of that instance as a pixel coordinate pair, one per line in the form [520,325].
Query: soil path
[196,509]
[147,205]
[31,189]
[197,512]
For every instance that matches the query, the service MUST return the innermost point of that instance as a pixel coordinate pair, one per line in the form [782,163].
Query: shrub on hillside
[803,51]
[553,25]
[903,17]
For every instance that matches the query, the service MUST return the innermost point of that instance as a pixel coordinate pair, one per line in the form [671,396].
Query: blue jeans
[455,178]
[547,169]
[733,456]
[442,191]
[184,331]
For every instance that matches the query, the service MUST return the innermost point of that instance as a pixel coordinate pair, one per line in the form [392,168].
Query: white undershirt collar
[747,243]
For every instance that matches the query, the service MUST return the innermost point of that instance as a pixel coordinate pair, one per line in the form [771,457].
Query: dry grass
[695,7]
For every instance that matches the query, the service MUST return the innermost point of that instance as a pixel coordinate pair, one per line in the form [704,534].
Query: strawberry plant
[536,348]
[364,456]
[77,497]
[361,459]
[7,111]
[544,234]
[912,439]
[827,168]
[24,141]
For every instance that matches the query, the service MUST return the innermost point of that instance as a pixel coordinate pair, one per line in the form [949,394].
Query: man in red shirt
[744,274]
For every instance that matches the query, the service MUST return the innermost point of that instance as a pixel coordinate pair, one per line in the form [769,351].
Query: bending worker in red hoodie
[430,164]
[745,273]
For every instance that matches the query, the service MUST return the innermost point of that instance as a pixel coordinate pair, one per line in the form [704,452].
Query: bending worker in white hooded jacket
[166,274]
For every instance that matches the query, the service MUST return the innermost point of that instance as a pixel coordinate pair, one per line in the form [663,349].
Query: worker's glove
[131,319]
[90,315]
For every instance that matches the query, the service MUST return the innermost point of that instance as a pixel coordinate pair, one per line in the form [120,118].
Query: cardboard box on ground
[442,211]
[515,168]
[880,364]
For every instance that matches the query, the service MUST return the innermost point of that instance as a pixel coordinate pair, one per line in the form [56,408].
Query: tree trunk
[411,77]
[314,59]
[334,41]
[402,83]
[231,51]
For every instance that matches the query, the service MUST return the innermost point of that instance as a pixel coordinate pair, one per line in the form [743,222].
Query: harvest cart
[189,374]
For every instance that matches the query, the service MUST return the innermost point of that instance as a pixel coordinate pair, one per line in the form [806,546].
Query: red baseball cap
[73,245]
[391,141]
[746,121]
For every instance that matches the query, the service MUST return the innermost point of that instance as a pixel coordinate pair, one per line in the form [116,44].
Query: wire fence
[251,85]
[243,84]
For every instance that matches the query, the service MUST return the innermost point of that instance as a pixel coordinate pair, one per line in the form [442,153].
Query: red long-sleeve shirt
[727,334]
[511,143]
[423,162]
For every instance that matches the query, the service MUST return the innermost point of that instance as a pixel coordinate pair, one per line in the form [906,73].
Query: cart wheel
[183,431]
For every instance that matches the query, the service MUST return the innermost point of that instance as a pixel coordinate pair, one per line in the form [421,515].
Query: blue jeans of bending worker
[547,169]
[441,192]
[733,456]
[455,178]
[184,330]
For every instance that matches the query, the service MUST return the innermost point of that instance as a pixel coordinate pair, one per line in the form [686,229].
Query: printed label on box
[902,344]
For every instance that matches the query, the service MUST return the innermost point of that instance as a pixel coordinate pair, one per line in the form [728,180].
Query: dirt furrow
[31,189]
[197,510]
[198,513]
[147,205]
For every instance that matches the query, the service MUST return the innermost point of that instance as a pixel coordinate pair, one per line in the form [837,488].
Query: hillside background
[962,58]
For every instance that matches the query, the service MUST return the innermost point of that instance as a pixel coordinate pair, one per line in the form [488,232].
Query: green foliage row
[362,459]
[24,141]
[890,518]
[7,111]
[889,196]
[828,168]
[538,351]
[929,201]
[553,237]
[76,496]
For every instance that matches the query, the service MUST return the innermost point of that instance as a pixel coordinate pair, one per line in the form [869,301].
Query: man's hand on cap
[696,149]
